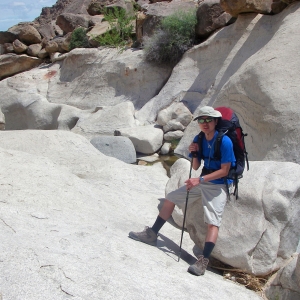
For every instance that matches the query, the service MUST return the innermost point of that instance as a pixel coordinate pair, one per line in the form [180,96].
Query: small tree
[79,39]
[175,35]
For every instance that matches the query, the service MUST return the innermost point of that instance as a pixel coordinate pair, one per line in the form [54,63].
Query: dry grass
[251,282]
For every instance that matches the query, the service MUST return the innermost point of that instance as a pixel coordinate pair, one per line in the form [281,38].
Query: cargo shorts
[214,197]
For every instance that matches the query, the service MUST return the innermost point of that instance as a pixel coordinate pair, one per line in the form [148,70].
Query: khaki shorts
[214,197]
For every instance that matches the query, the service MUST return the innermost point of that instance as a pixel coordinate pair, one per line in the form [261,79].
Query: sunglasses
[202,121]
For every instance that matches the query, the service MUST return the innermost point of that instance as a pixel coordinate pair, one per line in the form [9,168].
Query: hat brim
[215,116]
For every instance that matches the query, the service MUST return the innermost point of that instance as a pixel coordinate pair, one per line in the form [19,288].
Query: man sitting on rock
[210,185]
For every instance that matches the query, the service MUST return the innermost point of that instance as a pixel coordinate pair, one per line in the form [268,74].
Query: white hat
[208,111]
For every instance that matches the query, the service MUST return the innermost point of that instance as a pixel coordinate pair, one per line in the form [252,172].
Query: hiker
[210,185]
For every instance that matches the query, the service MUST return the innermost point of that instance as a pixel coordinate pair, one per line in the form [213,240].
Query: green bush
[175,35]
[121,28]
[79,39]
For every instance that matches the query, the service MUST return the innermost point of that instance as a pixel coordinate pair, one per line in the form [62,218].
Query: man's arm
[194,148]
[192,182]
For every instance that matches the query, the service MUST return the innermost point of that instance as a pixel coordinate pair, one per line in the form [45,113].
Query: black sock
[159,223]
[208,248]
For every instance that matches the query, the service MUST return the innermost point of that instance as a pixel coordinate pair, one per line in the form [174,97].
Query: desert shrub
[121,28]
[79,39]
[175,35]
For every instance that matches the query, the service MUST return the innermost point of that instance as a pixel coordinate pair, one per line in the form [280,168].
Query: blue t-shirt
[227,154]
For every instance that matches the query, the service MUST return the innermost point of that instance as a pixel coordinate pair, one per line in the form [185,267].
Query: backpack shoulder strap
[218,143]
[200,143]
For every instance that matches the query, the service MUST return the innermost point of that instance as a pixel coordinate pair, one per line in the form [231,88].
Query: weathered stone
[51,47]
[63,42]
[96,7]
[285,284]
[68,22]
[7,37]
[105,78]
[26,33]
[235,8]
[34,50]
[121,4]
[105,120]
[57,56]
[149,158]
[47,31]
[210,16]
[19,47]
[77,7]
[58,30]
[146,139]
[96,31]
[177,112]
[11,64]
[8,48]
[119,147]
[96,20]
[66,42]
[173,135]
[49,14]
[165,149]
[43,54]
[173,125]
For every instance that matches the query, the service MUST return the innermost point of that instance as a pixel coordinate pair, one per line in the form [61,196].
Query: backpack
[229,125]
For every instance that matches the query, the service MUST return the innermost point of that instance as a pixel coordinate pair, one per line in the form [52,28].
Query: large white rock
[260,230]
[176,112]
[25,106]
[146,139]
[119,147]
[173,135]
[75,84]
[66,210]
[93,77]
[106,120]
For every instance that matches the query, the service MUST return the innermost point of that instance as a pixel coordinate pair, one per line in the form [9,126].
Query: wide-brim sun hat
[208,111]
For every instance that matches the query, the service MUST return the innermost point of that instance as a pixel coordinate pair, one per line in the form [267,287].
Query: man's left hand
[192,182]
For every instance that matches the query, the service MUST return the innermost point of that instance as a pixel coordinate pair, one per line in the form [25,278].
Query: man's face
[207,124]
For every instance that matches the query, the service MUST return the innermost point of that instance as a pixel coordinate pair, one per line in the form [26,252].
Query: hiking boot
[147,236]
[199,267]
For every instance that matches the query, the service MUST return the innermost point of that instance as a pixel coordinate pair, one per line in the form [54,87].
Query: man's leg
[214,198]
[210,241]
[164,214]
[177,197]
[149,235]
[199,267]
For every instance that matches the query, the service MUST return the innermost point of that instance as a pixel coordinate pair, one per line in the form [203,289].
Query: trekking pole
[186,202]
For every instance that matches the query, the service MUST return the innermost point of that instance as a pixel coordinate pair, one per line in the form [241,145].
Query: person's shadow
[172,249]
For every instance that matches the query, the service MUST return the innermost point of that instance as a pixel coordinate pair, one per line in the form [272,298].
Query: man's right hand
[193,147]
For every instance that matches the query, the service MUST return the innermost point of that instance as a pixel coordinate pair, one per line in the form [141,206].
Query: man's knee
[212,227]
